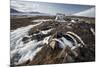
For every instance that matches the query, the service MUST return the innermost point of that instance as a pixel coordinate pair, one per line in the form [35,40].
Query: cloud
[24,6]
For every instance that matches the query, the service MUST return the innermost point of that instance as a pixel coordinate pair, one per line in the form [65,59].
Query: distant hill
[14,11]
[35,13]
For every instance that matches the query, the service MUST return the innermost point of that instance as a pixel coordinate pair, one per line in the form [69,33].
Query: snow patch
[26,51]
[67,42]
[42,20]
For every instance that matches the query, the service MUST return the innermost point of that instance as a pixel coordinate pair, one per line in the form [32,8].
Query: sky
[87,13]
[49,8]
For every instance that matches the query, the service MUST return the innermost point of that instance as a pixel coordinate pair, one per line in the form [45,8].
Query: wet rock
[26,39]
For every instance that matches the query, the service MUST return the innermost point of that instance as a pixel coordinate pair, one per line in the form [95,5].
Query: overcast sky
[50,8]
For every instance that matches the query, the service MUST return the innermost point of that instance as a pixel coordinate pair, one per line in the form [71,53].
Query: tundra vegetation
[47,40]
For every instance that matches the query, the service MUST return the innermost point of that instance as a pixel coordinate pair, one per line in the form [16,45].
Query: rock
[26,39]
